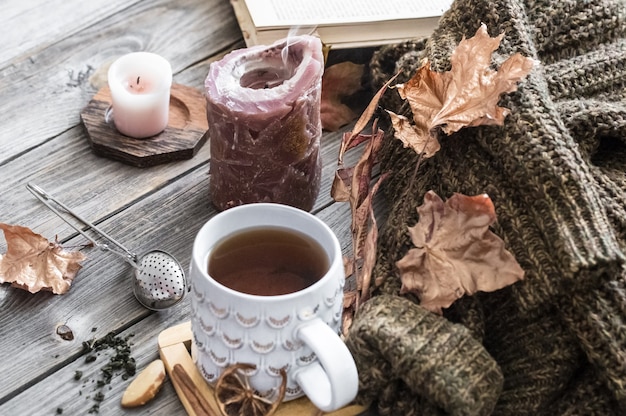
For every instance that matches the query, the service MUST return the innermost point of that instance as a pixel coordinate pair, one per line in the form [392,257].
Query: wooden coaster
[195,393]
[186,132]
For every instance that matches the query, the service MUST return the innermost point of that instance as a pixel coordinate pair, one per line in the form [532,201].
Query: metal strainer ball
[159,281]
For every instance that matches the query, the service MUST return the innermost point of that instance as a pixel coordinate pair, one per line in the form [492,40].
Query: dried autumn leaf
[455,252]
[354,185]
[410,135]
[349,310]
[339,81]
[365,240]
[467,95]
[235,396]
[340,189]
[350,140]
[33,263]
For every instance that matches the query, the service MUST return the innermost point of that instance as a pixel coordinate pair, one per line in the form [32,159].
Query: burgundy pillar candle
[263,109]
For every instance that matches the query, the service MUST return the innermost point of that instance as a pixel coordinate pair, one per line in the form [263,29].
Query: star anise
[235,396]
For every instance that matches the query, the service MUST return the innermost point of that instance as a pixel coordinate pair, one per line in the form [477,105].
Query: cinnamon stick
[199,405]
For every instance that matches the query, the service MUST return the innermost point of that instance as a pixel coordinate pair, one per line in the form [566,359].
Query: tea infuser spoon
[158,282]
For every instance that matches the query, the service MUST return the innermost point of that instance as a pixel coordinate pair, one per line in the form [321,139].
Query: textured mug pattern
[228,330]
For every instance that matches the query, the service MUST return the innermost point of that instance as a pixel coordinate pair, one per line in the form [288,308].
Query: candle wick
[138,80]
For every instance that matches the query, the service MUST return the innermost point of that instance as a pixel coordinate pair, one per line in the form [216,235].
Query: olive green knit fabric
[554,343]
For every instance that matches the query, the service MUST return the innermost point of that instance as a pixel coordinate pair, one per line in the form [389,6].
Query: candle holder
[186,131]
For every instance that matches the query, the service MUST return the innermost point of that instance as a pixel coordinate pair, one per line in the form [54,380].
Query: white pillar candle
[140,85]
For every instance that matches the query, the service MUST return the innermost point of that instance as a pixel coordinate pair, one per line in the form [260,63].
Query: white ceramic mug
[297,332]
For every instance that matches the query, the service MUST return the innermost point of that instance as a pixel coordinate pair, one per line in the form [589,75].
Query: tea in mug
[268,261]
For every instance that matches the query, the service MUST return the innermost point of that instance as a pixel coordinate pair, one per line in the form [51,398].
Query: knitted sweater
[555,342]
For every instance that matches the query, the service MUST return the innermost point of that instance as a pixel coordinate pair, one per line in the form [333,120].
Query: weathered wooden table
[53,59]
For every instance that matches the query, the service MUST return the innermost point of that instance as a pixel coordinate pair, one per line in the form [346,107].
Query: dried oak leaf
[33,263]
[455,252]
[467,95]
[339,81]
[235,396]
[355,185]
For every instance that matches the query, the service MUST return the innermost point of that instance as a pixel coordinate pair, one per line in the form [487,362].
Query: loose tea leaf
[467,95]
[455,252]
[121,362]
[33,263]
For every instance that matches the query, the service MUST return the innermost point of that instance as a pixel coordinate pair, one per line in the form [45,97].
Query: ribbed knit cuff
[393,338]
[596,316]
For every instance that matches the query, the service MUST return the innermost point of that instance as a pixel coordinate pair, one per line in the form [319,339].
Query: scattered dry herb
[121,363]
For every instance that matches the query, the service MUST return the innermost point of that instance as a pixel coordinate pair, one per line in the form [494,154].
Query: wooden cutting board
[197,395]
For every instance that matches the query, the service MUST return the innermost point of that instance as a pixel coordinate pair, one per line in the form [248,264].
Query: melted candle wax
[139,86]
[263,109]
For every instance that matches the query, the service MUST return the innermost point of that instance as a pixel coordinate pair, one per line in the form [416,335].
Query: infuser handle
[45,198]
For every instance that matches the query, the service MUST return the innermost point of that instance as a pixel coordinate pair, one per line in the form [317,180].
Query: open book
[339,24]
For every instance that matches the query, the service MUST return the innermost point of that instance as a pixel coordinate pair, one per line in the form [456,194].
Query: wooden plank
[100,298]
[35,24]
[95,187]
[66,167]
[43,94]
[96,196]
[60,166]
[75,397]
[101,295]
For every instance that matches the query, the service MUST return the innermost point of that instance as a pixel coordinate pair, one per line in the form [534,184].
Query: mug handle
[332,381]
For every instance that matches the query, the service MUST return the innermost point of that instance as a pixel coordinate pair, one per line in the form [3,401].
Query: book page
[281,13]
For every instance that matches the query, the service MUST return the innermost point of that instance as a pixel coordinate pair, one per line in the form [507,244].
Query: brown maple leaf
[33,263]
[339,81]
[467,95]
[455,252]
